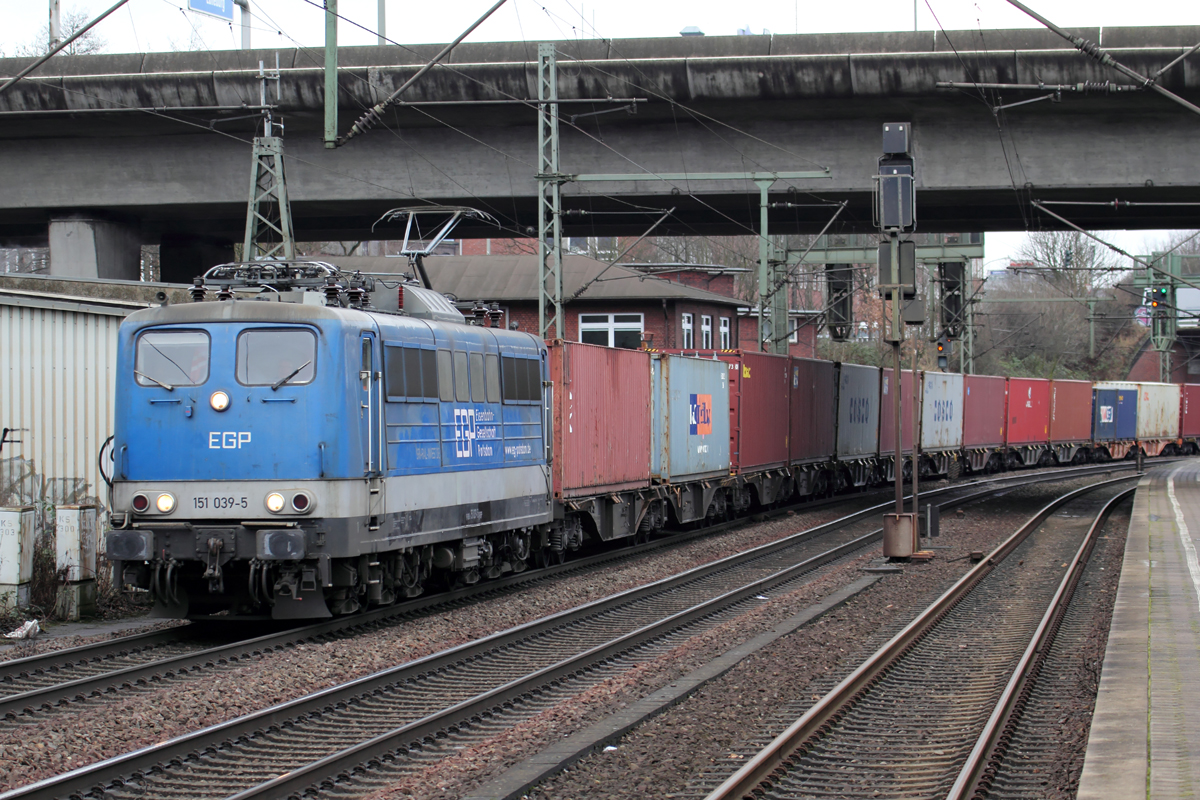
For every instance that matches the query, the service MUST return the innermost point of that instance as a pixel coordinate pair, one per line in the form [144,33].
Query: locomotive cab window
[172,358]
[276,357]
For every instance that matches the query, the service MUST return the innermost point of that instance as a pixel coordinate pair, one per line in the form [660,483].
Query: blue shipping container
[1114,412]
[690,419]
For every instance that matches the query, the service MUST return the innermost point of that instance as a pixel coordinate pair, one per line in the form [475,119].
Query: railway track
[396,719]
[140,662]
[933,712]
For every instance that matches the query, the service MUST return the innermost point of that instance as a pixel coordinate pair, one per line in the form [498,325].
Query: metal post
[970,354]
[550,305]
[764,278]
[916,463]
[382,26]
[331,78]
[897,334]
[55,25]
[1092,329]
[244,5]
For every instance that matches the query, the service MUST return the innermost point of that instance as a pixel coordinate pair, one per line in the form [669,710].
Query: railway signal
[951,279]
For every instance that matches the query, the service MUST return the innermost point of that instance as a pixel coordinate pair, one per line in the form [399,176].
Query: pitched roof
[515,278]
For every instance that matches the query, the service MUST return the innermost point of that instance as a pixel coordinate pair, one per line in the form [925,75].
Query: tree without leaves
[73,21]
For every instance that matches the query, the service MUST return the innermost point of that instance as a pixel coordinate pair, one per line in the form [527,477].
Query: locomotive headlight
[274,502]
[140,503]
[219,400]
[165,503]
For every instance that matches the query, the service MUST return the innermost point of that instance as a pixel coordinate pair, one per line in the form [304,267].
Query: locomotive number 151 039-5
[220,502]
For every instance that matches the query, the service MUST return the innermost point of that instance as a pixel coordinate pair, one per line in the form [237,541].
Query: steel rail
[148,759]
[142,674]
[817,719]
[119,768]
[981,765]
[316,776]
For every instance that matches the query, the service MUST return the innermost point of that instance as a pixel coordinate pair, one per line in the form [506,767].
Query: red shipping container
[1070,411]
[601,418]
[983,411]
[1029,411]
[1189,419]
[887,413]
[812,411]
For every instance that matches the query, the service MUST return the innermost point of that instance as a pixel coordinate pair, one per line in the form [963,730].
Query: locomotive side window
[460,377]
[478,395]
[445,377]
[271,357]
[522,379]
[429,374]
[411,373]
[172,358]
[533,380]
[493,378]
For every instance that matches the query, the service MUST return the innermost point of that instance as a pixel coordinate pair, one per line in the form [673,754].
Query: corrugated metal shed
[57,365]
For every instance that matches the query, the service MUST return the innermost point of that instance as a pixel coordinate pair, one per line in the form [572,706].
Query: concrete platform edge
[1117,759]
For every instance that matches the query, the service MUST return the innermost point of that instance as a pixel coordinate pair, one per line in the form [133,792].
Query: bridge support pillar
[182,257]
[83,247]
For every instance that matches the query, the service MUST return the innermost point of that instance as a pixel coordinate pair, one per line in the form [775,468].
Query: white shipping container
[1158,411]
[941,412]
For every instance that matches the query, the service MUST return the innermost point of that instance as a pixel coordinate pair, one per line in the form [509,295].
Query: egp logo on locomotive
[700,423]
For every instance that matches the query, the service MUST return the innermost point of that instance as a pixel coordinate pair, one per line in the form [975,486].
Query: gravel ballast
[660,757]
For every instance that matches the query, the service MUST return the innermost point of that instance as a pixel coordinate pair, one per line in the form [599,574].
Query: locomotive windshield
[269,357]
[172,358]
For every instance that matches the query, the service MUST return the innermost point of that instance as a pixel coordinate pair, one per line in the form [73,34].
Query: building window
[688,336]
[705,332]
[794,331]
[611,330]
[726,338]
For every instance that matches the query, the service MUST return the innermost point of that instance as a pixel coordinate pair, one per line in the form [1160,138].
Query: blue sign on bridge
[217,8]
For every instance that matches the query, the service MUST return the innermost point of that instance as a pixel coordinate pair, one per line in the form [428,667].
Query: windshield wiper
[293,374]
[166,386]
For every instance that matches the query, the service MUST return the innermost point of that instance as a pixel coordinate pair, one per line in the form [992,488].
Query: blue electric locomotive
[299,453]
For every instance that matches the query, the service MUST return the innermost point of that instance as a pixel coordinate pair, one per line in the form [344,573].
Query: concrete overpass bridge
[88,136]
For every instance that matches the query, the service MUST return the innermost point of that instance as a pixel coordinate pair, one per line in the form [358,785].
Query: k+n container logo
[701,419]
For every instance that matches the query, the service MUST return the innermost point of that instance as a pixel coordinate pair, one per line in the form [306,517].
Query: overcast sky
[159,25]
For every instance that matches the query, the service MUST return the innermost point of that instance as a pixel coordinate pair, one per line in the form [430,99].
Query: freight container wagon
[601,401]
[887,424]
[1114,417]
[813,411]
[759,388]
[858,422]
[984,403]
[690,419]
[1158,417]
[941,419]
[1028,420]
[1189,418]
[1070,419]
